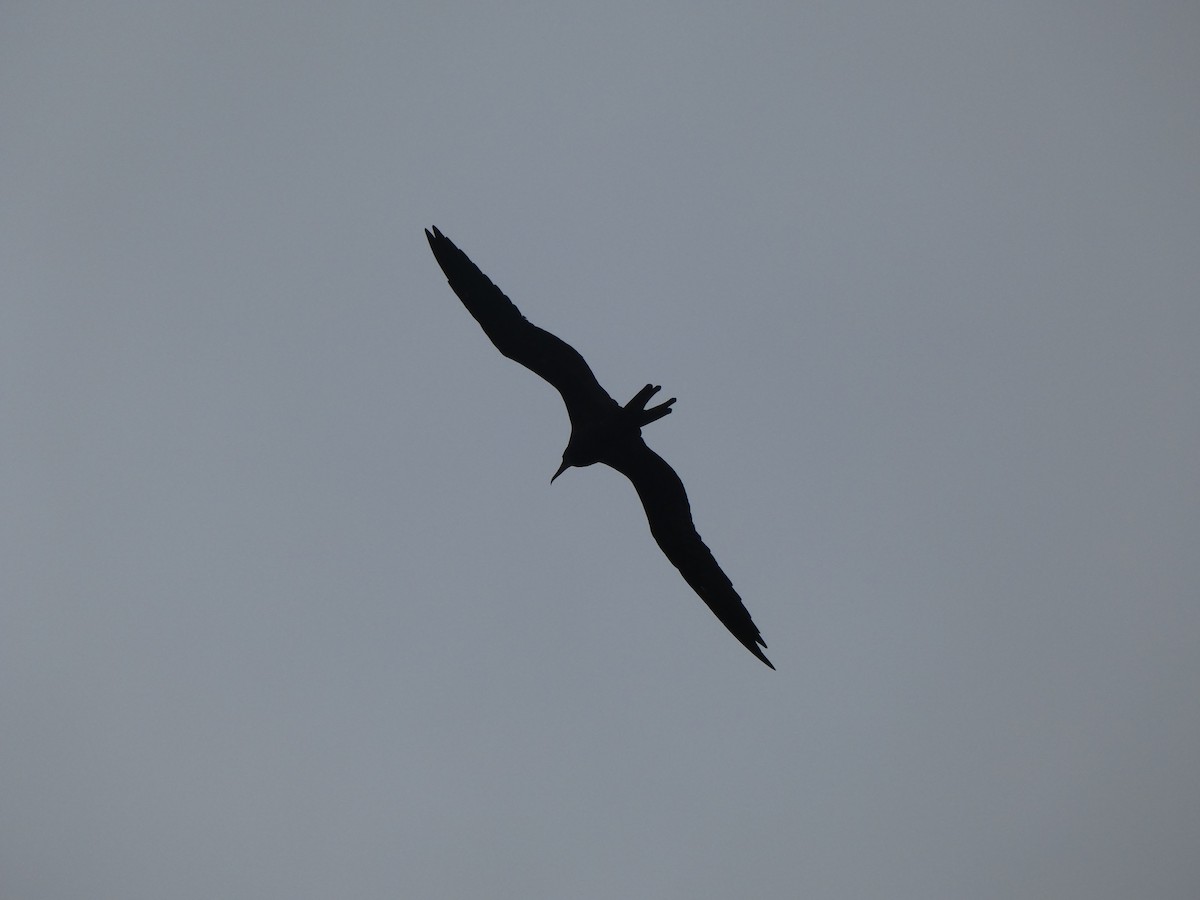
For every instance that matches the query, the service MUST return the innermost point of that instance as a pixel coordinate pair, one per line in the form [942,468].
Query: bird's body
[603,431]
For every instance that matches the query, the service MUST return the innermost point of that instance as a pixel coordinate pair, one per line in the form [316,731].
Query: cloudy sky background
[287,606]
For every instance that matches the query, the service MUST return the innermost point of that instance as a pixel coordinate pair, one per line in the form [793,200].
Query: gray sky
[289,608]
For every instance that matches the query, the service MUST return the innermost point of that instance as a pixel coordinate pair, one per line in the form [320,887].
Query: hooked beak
[561,469]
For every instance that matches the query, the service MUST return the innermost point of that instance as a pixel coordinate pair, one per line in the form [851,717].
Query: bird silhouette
[603,431]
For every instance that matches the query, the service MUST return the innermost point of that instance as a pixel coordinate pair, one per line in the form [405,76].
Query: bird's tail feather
[637,405]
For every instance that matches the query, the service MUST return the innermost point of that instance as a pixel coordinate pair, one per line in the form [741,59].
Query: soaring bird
[603,431]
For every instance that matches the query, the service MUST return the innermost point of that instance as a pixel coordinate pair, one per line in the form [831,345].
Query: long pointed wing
[670,518]
[539,351]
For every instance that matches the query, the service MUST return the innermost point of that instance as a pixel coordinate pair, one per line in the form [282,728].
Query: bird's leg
[637,406]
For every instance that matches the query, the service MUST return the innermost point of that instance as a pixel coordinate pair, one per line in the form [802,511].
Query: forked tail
[637,406]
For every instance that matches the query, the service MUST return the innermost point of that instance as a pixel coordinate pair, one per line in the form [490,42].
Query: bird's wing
[670,518]
[537,350]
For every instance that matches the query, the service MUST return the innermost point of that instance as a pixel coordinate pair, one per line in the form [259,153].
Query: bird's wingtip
[754,648]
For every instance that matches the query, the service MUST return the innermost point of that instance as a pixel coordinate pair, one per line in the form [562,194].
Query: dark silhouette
[605,432]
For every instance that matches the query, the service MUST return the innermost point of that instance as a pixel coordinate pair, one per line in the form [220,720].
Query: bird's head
[567,462]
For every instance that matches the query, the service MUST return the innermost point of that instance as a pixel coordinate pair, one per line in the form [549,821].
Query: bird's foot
[637,406]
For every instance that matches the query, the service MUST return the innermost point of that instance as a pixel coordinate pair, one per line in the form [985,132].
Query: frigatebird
[603,431]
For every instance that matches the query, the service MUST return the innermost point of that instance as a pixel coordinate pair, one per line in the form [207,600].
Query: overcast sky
[288,608]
